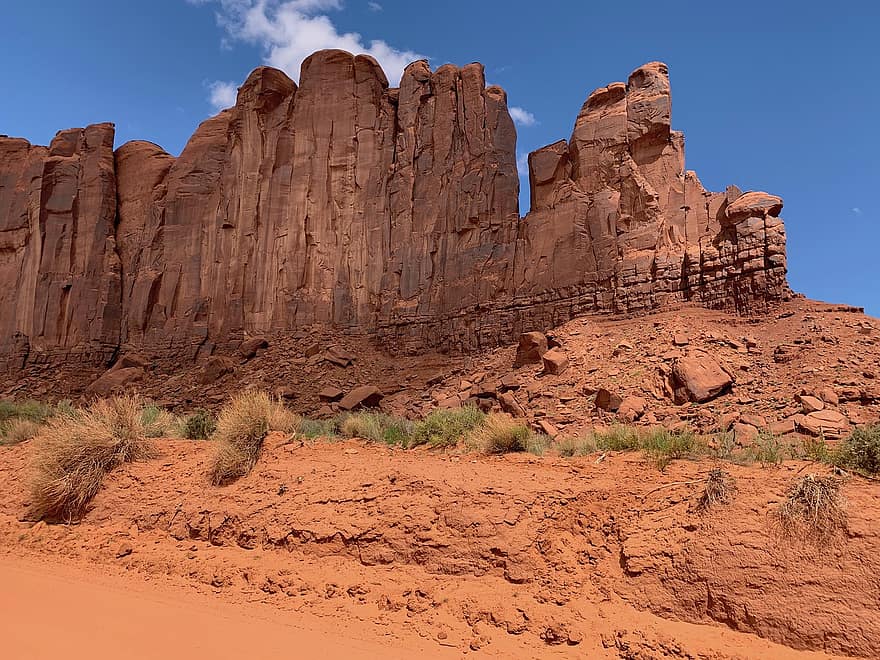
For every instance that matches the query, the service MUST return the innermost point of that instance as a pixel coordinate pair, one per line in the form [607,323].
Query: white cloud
[289,31]
[222,94]
[522,164]
[857,210]
[522,117]
[374,6]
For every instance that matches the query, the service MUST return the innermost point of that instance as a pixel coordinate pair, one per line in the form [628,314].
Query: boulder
[783,426]
[338,356]
[744,434]
[631,408]
[699,378]
[249,347]
[827,423]
[754,204]
[115,380]
[330,394]
[129,360]
[365,396]
[810,403]
[215,368]
[531,348]
[510,405]
[555,362]
[608,401]
[547,428]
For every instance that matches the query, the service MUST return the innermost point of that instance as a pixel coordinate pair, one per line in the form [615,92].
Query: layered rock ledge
[390,211]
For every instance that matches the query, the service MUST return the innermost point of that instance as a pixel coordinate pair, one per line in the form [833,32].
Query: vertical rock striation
[394,211]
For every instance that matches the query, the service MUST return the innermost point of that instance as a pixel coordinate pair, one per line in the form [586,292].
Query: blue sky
[777,96]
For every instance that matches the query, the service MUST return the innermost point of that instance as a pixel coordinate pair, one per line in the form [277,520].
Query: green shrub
[500,434]
[815,449]
[617,438]
[377,427]
[199,425]
[318,428]
[665,446]
[33,411]
[444,428]
[861,450]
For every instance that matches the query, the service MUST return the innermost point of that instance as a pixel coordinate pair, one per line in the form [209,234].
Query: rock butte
[392,211]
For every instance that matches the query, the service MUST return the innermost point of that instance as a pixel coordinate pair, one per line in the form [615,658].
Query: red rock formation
[59,267]
[391,211]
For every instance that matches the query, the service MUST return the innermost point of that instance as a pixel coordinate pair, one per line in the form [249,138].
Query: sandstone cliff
[393,211]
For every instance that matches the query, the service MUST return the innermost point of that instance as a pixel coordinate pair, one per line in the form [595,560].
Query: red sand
[379,551]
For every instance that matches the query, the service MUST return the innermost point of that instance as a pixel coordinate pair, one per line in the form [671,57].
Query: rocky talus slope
[344,203]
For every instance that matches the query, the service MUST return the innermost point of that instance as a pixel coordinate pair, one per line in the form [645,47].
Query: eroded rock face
[393,211]
[60,272]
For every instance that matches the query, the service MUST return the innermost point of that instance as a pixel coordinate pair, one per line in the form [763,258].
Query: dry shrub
[500,434]
[242,426]
[813,509]
[73,453]
[16,431]
[717,489]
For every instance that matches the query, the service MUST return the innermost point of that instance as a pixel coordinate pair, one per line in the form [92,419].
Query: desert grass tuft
[74,453]
[318,428]
[718,488]
[158,423]
[445,428]
[500,434]
[813,510]
[33,411]
[665,446]
[617,438]
[242,426]
[15,431]
[377,427]
[571,446]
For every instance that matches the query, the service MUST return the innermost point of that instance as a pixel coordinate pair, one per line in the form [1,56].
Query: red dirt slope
[512,556]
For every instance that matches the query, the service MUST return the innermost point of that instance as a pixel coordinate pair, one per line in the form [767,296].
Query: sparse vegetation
[158,423]
[198,425]
[665,446]
[445,428]
[74,452]
[15,431]
[571,446]
[718,488]
[768,449]
[33,411]
[860,451]
[617,438]
[813,510]
[659,443]
[378,427]
[241,428]
[21,421]
[318,428]
[500,434]
[815,449]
